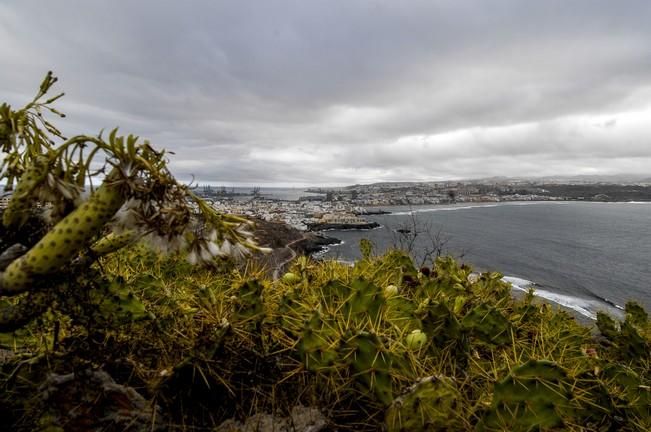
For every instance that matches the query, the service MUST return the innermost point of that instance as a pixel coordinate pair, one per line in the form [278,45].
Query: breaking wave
[476,206]
[585,307]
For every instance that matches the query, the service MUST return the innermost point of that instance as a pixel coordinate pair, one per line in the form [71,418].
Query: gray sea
[585,256]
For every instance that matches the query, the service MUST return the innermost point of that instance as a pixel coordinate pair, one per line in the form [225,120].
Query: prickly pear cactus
[628,392]
[371,365]
[366,300]
[432,404]
[439,323]
[535,394]
[249,306]
[488,325]
[631,339]
[318,343]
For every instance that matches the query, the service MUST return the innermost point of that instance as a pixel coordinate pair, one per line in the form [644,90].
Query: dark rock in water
[314,243]
[301,419]
[373,212]
[277,235]
[343,226]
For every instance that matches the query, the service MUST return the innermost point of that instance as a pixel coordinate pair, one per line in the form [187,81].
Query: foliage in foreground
[137,198]
[379,344]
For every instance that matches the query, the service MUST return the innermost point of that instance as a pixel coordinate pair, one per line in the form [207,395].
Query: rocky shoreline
[278,235]
[343,226]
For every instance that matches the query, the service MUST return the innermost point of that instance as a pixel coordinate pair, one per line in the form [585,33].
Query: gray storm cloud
[340,92]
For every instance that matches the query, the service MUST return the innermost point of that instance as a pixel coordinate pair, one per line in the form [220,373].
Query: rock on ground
[301,419]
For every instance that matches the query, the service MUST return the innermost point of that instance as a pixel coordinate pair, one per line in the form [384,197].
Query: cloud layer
[340,92]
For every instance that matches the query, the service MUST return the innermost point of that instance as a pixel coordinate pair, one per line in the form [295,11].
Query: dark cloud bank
[340,92]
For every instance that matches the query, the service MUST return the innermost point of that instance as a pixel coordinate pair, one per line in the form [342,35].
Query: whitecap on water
[585,307]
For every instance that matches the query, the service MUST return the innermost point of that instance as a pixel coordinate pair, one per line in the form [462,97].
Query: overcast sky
[340,92]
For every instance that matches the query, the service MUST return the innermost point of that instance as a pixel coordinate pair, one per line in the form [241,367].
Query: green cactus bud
[390,291]
[67,238]
[432,404]
[416,340]
[291,278]
[18,209]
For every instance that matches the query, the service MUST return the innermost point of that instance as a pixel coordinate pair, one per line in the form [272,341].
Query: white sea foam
[476,206]
[585,307]
[432,210]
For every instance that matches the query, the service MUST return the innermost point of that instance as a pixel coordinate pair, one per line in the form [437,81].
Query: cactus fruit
[416,339]
[390,291]
[21,201]
[68,237]
[488,325]
[534,395]
[432,404]
[291,278]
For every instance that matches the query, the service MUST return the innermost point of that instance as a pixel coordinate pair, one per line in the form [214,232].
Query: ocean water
[585,256]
